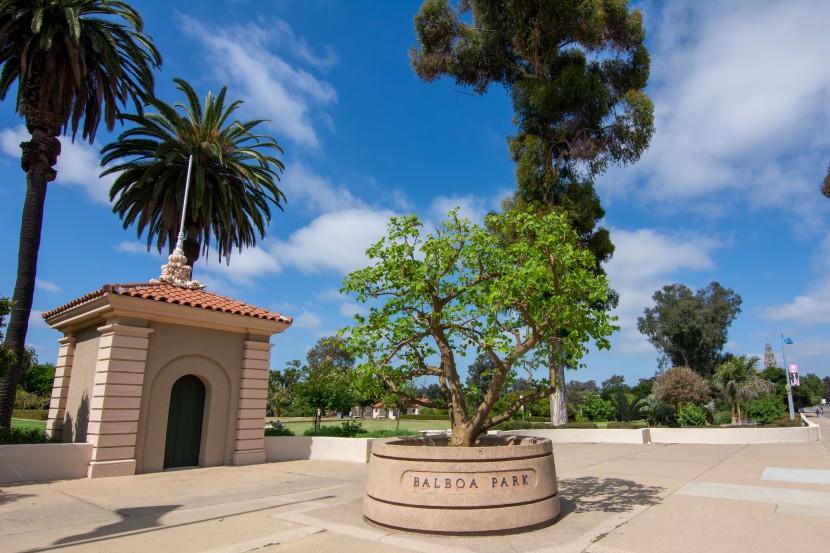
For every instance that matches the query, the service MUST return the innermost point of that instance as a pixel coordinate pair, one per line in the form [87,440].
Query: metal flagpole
[787,376]
[180,241]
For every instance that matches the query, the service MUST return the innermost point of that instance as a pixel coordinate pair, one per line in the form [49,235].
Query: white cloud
[78,164]
[136,247]
[308,320]
[469,207]
[810,308]
[739,118]
[244,266]
[46,285]
[270,86]
[352,309]
[36,321]
[644,261]
[334,241]
[314,192]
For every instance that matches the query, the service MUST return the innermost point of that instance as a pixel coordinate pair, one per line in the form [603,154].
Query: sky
[728,190]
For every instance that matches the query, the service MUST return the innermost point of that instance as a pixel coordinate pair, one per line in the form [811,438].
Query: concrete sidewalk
[615,497]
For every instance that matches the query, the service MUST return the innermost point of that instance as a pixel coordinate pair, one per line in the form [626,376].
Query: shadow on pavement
[610,495]
[132,519]
[8,497]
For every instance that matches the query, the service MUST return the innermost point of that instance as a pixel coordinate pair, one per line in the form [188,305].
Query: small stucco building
[156,376]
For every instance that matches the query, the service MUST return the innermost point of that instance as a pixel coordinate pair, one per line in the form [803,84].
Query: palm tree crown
[75,62]
[739,379]
[233,179]
[75,59]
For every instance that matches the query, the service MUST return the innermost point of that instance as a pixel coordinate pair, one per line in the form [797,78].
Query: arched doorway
[184,423]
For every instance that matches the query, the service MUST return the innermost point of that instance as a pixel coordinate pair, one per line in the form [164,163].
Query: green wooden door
[184,423]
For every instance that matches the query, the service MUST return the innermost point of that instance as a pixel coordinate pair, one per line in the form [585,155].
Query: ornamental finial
[177,272]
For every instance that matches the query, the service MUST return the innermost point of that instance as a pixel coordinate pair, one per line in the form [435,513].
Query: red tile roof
[174,294]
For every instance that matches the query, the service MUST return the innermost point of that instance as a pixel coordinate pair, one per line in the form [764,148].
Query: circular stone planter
[502,484]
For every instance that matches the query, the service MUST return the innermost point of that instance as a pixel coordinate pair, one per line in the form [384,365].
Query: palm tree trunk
[39,156]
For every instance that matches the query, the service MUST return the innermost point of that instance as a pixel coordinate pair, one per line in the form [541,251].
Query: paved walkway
[615,498]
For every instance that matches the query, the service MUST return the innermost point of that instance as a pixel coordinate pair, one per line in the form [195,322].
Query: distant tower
[769,357]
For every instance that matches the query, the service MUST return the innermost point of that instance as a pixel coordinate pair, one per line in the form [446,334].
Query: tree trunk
[39,156]
[558,403]
[734,417]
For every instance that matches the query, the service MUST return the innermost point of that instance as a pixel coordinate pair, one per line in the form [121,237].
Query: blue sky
[728,191]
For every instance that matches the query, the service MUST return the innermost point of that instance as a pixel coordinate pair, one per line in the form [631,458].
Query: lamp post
[787,375]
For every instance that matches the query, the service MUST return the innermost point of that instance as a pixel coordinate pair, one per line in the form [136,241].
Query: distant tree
[233,179]
[281,387]
[809,393]
[643,387]
[825,185]
[740,380]
[576,73]
[826,382]
[680,385]
[576,390]
[432,392]
[38,379]
[75,63]
[327,379]
[690,329]
[613,386]
[479,376]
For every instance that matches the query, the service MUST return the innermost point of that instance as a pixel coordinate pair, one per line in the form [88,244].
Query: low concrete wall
[317,448]
[589,436]
[19,463]
[661,435]
[809,433]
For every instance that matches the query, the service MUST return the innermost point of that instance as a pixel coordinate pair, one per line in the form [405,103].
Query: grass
[300,425]
[29,424]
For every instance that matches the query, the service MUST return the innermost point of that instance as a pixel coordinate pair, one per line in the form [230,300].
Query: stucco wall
[19,463]
[212,355]
[81,383]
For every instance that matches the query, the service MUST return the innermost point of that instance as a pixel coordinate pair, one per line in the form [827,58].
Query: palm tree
[75,62]
[232,183]
[739,379]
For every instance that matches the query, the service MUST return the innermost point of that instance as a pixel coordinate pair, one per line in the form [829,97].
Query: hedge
[31,414]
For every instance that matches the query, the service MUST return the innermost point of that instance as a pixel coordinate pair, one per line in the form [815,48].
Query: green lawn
[300,425]
[27,424]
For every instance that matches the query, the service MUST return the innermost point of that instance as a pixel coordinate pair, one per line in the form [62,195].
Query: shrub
[520,425]
[614,425]
[691,415]
[594,408]
[722,417]
[281,431]
[680,385]
[786,422]
[764,410]
[31,414]
[15,436]
[28,401]
[577,425]
[349,429]
[437,416]
[538,419]
[389,433]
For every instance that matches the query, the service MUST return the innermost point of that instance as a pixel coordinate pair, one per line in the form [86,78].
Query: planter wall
[420,484]
[19,463]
